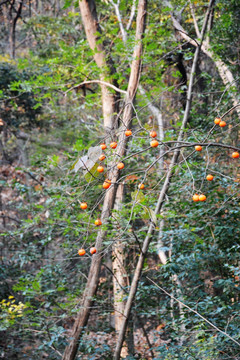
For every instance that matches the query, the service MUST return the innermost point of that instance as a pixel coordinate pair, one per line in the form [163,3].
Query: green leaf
[92,173]
[138,196]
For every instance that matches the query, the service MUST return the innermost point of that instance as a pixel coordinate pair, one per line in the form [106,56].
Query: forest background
[158,276]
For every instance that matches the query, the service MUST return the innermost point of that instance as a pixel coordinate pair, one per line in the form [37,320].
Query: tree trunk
[91,26]
[90,290]
[161,198]
[120,279]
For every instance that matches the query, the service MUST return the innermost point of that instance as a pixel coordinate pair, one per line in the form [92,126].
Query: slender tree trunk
[91,26]
[161,198]
[120,278]
[90,290]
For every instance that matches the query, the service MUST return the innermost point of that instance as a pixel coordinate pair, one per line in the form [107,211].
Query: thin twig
[195,312]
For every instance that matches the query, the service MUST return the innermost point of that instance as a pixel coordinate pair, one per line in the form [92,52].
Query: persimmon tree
[125,77]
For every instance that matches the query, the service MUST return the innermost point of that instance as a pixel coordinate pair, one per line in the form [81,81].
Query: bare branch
[194,20]
[123,32]
[132,14]
[96,82]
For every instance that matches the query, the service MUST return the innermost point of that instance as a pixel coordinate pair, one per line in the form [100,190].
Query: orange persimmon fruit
[141,186]
[98,222]
[153,134]
[83,205]
[217,120]
[222,123]
[195,197]
[93,250]
[198,148]
[235,155]
[81,252]
[113,145]
[128,132]
[102,157]
[202,197]
[154,143]
[120,166]
[103,146]
[209,177]
[100,169]
[106,184]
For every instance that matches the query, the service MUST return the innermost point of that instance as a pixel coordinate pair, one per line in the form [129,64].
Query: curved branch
[96,82]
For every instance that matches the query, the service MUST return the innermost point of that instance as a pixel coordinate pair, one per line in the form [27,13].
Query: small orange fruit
[235,155]
[83,205]
[113,145]
[81,252]
[103,146]
[120,166]
[195,197]
[217,120]
[98,222]
[100,169]
[128,132]
[154,143]
[93,250]
[209,177]
[107,184]
[198,148]
[102,157]
[222,123]
[153,134]
[141,186]
[202,197]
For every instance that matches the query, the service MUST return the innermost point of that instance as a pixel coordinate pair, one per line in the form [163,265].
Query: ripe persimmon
[154,143]
[93,250]
[209,177]
[98,222]
[120,166]
[106,184]
[83,205]
[100,169]
[113,145]
[222,123]
[103,146]
[128,132]
[141,186]
[235,155]
[195,197]
[202,197]
[102,157]
[81,252]
[153,134]
[217,120]
[198,148]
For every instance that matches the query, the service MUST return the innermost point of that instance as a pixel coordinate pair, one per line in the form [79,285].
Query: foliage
[64,121]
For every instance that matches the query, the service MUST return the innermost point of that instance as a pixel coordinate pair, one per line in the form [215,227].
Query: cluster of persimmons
[154,143]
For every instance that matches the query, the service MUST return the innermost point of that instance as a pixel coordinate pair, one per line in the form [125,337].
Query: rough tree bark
[162,195]
[90,290]
[120,278]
